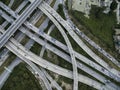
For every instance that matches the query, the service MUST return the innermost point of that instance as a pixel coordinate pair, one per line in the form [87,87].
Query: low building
[85,5]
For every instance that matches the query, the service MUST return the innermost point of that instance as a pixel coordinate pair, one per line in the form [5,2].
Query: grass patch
[21,79]
[23,8]
[99,27]
[40,21]
[57,60]
[49,25]
[36,48]
[53,2]
[7,62]
[99,24]
[57,35]
[25,40]
[16,4]
[1,20]
[5,1]
[51,57]
[65,79]
[82,86]
[1,49]
[60,11]
[8,25]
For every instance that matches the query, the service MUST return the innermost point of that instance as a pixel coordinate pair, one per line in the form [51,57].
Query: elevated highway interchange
[76,38]
[30,26]
[66,57]
[36,69]
[62,31]
[18,22]
[43,63]
[67,49]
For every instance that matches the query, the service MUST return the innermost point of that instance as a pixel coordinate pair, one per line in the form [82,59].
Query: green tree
[113,5]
